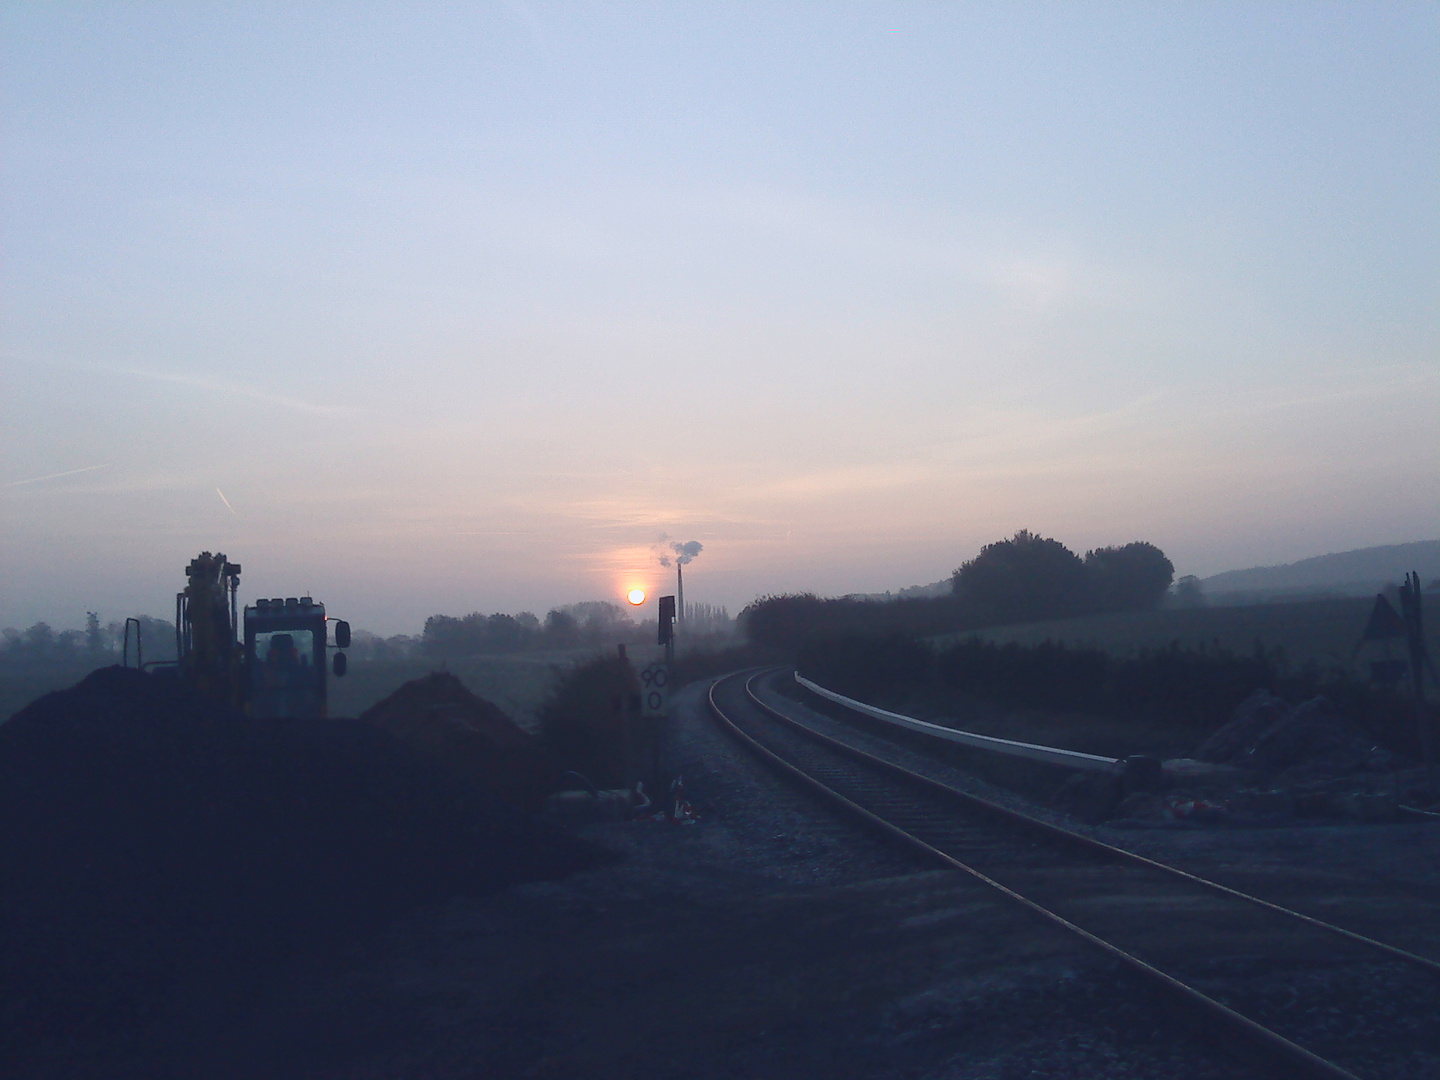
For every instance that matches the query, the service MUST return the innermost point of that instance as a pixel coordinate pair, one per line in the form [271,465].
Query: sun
[636,596]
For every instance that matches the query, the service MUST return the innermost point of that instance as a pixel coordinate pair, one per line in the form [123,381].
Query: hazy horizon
[436,309]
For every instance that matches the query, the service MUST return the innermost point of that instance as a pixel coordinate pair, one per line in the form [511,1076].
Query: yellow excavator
[274,665]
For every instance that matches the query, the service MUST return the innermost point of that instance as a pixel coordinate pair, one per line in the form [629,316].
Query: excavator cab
[285,657]
[279,669]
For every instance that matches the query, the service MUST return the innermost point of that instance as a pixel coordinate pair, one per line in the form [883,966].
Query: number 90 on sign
[653,680]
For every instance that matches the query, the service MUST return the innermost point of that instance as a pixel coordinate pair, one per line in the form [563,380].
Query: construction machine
[272,665]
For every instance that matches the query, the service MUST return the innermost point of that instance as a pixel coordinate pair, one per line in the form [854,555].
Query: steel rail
[1295,1060]
[1059,832]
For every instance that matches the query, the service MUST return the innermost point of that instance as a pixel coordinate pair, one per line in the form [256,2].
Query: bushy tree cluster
[1033,577]
[582,724]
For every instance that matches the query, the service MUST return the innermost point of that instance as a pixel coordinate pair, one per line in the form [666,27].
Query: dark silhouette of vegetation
[1135,577]
[1195,689]
[782,624]
[582,725]
[96,645]
[1189,593]
[594,622]
[1026,578]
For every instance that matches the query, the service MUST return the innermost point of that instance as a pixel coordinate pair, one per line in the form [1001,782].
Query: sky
[439,308]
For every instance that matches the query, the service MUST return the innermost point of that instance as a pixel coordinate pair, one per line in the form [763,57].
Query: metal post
[627,723]
[1415,638]
[667,628]
[139,647]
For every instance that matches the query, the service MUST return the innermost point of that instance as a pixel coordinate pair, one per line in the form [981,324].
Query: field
[517,682]
[1325,631]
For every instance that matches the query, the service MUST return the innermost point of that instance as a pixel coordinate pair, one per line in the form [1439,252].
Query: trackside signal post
[667,627]
[655,692]
[644,705]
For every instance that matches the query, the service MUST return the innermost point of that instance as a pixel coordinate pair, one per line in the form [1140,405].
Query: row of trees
[41,644]
[1023,579]
[594,622]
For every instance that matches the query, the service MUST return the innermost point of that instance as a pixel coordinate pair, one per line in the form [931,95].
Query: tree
[503,633]
[1026,577]
[1188,592]
[94,636]
[1130,578]
[561,628]
[40,640]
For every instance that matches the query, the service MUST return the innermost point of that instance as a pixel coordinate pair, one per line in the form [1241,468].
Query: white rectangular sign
[654,681]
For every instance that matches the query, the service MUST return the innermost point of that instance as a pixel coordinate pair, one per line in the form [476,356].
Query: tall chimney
[679,591]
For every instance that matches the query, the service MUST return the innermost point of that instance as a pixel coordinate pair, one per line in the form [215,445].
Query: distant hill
[1346,573]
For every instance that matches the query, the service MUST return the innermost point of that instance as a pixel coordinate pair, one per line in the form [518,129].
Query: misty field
[517,683]
[1324,631]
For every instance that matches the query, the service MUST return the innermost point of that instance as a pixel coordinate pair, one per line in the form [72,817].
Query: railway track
[1298,996]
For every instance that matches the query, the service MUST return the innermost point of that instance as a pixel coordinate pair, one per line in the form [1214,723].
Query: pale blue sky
[462,306]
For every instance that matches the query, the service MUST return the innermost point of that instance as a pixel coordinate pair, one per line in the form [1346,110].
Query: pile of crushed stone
[1294,744]
[147,835]
[1273,762]
[468,736]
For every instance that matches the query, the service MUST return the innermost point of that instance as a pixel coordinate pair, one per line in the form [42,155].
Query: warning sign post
[654,694]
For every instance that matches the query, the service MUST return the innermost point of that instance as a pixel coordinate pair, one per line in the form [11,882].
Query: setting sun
[636,596]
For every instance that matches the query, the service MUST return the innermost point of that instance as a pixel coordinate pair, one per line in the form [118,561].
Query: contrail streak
[56,475]
[225,501]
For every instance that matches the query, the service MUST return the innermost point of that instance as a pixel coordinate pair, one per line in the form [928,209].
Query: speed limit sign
[654,678]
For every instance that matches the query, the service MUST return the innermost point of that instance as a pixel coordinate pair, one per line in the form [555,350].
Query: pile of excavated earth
[467,736]
[153,842]
[1273,762]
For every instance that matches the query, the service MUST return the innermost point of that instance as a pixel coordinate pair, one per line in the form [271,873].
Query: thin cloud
[223,386]
[56,476]
[226,501]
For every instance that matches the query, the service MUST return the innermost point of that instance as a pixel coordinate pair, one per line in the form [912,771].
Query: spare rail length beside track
[1051,755]
[1284,1057]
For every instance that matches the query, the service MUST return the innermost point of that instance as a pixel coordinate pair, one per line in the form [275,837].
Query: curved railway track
[1363,1008]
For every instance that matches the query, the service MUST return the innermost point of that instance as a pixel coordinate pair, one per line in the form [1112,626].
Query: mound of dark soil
[146,835]
[467,735]
[1311,740]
